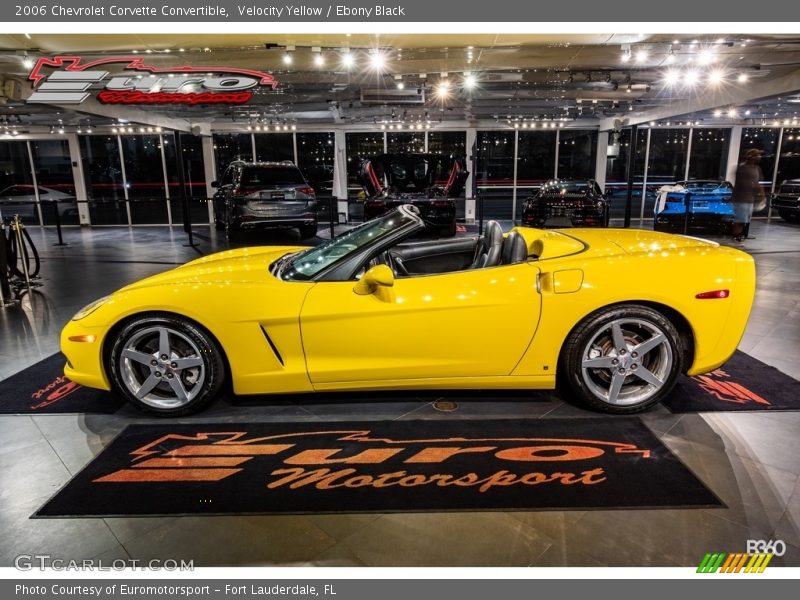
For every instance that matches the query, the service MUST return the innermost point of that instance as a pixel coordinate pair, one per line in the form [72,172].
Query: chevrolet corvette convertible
[612,316]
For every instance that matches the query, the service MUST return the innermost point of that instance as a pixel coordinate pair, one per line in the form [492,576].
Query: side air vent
[272,345]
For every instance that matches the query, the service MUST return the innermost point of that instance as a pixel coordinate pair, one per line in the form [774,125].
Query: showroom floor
[750,459]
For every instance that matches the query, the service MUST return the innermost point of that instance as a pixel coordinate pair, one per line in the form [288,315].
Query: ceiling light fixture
[641,56]
[377,61]
[470,81]
[743,78]
[347,59]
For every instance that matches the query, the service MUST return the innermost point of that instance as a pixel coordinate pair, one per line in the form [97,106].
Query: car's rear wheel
[623,359]
[166,365]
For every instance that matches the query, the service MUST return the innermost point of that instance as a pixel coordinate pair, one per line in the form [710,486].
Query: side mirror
[377,277]
[215,184]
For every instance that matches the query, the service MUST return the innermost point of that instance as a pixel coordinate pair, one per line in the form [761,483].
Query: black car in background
[257,196]
[390,180]
[787,200]
[567,203]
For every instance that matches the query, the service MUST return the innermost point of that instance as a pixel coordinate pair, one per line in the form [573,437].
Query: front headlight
[90,308]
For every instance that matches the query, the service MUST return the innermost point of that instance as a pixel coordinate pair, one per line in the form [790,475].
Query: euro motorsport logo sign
[68,80]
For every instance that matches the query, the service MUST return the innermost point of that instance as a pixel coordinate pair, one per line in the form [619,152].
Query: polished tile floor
[751,460]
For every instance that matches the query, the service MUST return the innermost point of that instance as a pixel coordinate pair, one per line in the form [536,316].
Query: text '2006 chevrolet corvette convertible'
[613,315]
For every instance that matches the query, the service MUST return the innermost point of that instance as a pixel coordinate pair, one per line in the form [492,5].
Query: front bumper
[84,358]
[254,221]
[569,217]
[676,221]
[787,204]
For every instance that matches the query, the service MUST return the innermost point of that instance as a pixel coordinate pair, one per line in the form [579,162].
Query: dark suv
[787,200]
[264,195]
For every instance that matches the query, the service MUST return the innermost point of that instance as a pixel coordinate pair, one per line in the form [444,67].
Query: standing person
[747,191]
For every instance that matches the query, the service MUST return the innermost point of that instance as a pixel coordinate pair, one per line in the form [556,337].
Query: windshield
[261,176]
[307,264]
[566,187]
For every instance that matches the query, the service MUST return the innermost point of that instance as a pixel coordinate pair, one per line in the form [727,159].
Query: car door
[463,324]
[220,197]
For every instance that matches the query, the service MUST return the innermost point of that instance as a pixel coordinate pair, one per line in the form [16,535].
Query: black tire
[449,230]
[125,373]
[308,231]
[788,216]
[219,225]
[585,386]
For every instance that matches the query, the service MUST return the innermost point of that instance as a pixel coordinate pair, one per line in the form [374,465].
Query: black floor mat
[262,468]
[743,383]
[43,389]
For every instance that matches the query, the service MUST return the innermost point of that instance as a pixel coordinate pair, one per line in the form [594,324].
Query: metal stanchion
[58,225]
[5,289]
[17,226]
[334,209]
[687,204]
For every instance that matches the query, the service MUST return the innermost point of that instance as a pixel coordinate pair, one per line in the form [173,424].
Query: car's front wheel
[622,359]
[165,365]
[788,215]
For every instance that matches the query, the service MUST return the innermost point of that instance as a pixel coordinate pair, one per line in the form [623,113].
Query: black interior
[457,254]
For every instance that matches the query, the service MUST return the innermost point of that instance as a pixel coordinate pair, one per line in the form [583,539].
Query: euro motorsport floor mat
[743,383]
[385,466]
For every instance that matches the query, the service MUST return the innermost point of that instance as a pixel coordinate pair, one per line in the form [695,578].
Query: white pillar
[340,171]
[601,160]
[733,153]
[77,176]
[469,205]
[209,171]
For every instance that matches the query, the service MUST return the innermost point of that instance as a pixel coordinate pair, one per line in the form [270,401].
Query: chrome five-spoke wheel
[623,359]
[166,365]
[627,362]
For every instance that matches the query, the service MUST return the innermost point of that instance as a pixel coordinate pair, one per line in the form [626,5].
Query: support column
[78,177]
[601,161]
[733,153]
[469,204]
[209,172]
[340,172]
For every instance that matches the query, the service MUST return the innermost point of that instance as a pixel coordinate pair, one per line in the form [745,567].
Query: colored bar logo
[738,562]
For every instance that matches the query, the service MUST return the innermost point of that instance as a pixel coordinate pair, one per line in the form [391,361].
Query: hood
[565,190]
[231,266]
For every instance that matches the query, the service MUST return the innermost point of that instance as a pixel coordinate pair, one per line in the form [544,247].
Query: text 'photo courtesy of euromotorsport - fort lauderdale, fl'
[287,287]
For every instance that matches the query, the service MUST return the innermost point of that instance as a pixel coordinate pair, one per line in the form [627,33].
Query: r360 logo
[777,547]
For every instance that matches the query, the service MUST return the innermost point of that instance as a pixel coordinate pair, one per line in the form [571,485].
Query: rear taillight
[713,295]
[308,191]
[440,203]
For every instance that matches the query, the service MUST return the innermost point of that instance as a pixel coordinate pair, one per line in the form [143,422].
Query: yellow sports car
[613,315]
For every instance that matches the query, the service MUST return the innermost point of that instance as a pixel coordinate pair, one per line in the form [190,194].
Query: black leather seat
[515,249]
[490,247]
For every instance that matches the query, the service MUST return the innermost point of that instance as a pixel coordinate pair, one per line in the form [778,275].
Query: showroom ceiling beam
[716,98]
[128,113]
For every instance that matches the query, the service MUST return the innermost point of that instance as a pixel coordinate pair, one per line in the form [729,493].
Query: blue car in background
[710,206]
